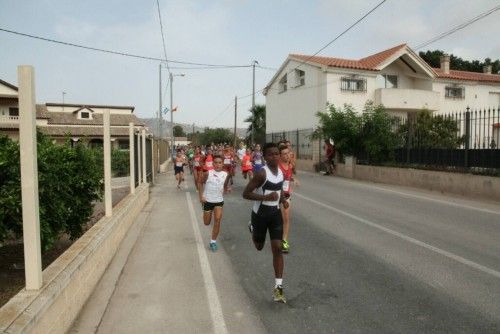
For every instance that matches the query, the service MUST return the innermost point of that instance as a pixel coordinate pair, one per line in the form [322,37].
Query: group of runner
[270,173]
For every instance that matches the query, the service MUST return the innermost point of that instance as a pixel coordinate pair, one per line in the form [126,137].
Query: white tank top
[273,183]
[214,187]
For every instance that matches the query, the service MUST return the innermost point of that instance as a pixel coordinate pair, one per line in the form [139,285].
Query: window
[283,84]
[353,84]
[387,81]
[454,92]
[85,114]
[301,77]
[13,111]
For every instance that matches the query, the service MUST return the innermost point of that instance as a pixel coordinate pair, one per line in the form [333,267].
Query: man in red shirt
[329,157]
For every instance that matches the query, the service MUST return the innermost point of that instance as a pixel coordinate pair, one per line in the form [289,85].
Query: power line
[341,34]
[162,35]
[119,53]
[457,28]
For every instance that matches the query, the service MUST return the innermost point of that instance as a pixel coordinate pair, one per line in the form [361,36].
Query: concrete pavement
[165,280]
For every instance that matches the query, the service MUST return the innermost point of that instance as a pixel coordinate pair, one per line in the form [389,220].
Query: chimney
[487,69]
[445,63]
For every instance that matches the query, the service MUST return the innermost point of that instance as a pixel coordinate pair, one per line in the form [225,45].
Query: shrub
[120,162]
[69,181]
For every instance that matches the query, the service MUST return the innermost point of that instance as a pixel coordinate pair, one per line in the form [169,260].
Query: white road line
[218,322]
[407,238]
[427,198]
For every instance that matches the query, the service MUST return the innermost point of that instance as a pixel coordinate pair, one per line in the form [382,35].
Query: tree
[430,131]
[456,63]
[342,125]
[258,122]
[217,136]
[179,131]
[377,135]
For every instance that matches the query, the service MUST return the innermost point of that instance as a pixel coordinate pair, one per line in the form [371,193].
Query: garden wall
[69,281]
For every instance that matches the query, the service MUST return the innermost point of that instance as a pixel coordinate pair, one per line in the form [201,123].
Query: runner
[228,162]
[190,156]
[293,157]
[212,186]
[246,165]
[286,168]
[180,161]
[209,161]
[197,167]
[265,190]
[257,159]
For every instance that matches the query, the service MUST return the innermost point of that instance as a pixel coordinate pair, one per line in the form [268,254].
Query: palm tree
[258,122]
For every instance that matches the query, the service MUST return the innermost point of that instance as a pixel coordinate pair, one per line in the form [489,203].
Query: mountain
[152,124]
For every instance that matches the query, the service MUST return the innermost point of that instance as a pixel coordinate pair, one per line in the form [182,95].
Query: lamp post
[171,76]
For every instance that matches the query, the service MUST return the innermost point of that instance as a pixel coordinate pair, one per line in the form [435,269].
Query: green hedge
[70,181]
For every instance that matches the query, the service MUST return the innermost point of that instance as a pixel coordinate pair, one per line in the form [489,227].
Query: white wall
[357,99]
[296,108]
[477,96]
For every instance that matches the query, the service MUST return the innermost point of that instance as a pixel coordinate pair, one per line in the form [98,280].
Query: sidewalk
[164,280]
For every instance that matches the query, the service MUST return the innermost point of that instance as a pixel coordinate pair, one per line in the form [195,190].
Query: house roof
[82,106]
[5,83]
[82,131]
[464,75]
[373,62]
[368,63]
[66,118]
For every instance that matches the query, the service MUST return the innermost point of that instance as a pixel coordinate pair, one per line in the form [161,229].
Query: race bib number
[178,164]
[286,185]
[209,163]
[248,163]
[258,162]
[196,163]
[227,161]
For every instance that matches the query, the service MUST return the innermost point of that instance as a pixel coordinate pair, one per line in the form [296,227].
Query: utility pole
[235,116]
[172,141]
[160,116]
[253,101]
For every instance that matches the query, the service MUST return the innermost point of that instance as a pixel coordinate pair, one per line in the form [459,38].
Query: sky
[234,32]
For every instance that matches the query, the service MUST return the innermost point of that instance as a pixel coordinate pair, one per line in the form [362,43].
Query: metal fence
[300,139]
[462,139]
[469,138]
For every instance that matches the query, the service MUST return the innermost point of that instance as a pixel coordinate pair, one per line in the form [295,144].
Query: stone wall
[69,281]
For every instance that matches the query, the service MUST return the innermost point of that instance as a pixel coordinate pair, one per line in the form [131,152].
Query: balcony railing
[407,99]
[9,119]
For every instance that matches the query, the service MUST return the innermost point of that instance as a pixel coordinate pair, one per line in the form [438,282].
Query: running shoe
[278,295]
[250,227]
[213,246]
[285,247]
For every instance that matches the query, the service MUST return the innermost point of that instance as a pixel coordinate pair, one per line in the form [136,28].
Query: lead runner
[265,190]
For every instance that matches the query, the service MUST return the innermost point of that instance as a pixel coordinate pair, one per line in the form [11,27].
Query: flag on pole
[166,110]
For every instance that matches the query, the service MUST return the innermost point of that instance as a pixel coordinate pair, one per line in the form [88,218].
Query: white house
[397,78]
[81,122]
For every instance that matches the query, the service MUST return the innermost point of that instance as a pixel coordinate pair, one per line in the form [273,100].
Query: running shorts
[178,170]
[268,218]
[207,206]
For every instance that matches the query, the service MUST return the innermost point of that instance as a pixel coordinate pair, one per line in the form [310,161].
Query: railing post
[153,167]
[144,169]
[139,169]
[108,204]
[467,138]
[297,141]
[29,178]
[131,156]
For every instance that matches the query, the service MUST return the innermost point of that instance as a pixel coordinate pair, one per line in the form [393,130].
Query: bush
[120,162]
[69,181]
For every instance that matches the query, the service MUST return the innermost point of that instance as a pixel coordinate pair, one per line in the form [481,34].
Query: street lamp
[171,76]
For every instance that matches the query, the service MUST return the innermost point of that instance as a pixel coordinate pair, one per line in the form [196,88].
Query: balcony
[9,119]
[407,99]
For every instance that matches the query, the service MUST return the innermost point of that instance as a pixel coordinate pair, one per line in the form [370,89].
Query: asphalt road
[368,258]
